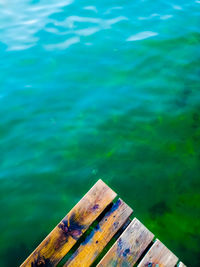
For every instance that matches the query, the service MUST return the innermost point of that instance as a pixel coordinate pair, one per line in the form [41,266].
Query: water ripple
[97,89]
[141,36]
[87,31]
[20,18]
[92,8]
[63,45]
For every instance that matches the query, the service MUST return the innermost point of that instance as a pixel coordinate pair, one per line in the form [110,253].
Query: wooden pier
[97,223]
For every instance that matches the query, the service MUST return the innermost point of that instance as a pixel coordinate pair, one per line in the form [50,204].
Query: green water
[90,90]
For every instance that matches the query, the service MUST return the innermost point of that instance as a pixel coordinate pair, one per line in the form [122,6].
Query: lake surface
[105,89]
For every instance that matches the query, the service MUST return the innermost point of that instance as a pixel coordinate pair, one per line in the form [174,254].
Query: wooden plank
[159,255]
[100,236]
[181,264]
[55,246]
[129,246]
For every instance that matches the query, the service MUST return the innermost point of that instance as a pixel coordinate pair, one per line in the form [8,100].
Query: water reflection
[107,90]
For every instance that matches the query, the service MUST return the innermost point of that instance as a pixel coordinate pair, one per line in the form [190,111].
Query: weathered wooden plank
[159,255]
[55,246]
[181,264]
[129,246]
[100,236]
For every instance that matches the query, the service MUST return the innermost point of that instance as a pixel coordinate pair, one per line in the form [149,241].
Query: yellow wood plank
[159,255]
[129,246]
[55,246]
[100,236]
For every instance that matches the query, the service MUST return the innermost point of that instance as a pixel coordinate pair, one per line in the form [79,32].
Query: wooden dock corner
[132,242]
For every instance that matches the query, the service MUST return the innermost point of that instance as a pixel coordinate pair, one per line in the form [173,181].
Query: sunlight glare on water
[91,90]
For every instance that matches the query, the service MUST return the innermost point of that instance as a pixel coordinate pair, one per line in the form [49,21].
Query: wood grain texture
[100,236]
[129,246]
[55,246]
[181,264]
[159,255]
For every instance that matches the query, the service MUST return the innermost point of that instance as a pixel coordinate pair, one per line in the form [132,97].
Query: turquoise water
[109,90]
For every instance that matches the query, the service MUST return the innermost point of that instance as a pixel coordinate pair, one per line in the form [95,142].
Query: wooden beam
[181,264]
[56,245]
[129,246]
[100,236]
[159,255]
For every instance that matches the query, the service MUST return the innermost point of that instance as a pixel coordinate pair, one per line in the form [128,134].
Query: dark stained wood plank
[100,236]
[55,246]
[159,255]
[129,246]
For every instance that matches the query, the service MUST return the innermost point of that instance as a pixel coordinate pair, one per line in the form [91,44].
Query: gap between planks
[62,238]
